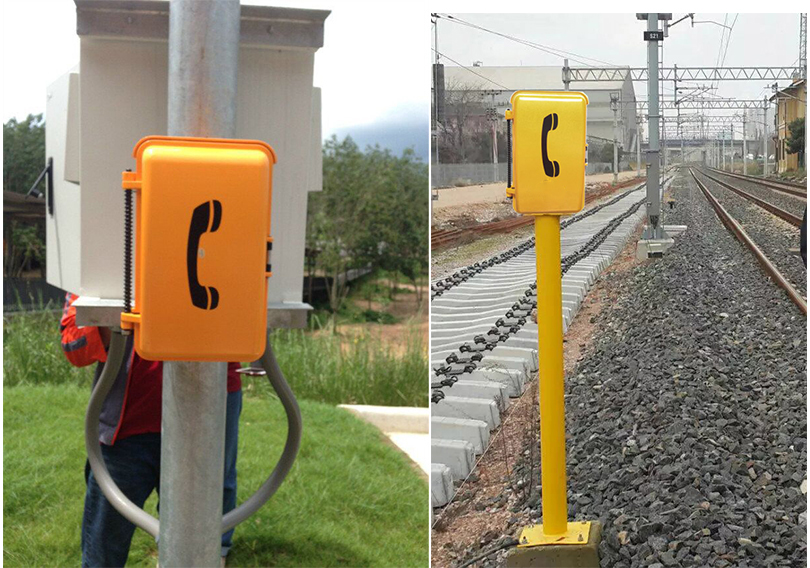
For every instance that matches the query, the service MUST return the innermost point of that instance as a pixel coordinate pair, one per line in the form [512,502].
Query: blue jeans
[134,465]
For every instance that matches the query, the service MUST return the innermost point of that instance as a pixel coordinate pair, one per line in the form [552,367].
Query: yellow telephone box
[202,242]
[549,151]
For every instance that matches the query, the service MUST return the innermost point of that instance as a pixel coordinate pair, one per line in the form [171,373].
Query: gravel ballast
[686,419]
[774,236]
[781,199]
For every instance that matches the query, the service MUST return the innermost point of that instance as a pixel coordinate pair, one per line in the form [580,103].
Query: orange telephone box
[202,243]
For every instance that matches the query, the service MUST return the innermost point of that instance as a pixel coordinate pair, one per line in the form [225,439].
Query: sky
[755,40]
[378,93]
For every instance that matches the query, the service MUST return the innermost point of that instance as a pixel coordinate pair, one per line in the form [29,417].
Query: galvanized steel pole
[203,64]
[654,167]
[745,148]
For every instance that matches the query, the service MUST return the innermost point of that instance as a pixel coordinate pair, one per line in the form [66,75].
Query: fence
[30,294]
[457,175]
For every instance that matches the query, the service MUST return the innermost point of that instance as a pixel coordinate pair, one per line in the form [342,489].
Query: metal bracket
[48,171]
[533,535]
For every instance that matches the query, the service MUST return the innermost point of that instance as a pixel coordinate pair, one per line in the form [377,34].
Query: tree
[23,152]
[335,230]
[25,247]
[463,104]
[23,160]
[795,141]
[372,213]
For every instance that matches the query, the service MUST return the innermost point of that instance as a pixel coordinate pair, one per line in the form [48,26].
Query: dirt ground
[447,261]
[470,518]
[412,319]
[495,192]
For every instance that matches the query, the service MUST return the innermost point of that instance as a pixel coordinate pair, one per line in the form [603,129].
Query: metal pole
[494,140]
[745,148]
[614,104]
[653,174]
[723,152]
[436,90]
[552,387]
[663,117]
[731,131]
[203,64]
[764,137]
[638,147]
[566,75]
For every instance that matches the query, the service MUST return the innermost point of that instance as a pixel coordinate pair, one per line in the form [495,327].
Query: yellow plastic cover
[548,133]
[202,235]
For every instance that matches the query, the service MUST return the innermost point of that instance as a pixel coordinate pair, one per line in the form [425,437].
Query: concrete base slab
[559,555]
[652,247]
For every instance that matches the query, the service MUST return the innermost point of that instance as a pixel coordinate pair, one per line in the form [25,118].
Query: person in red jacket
[129,432]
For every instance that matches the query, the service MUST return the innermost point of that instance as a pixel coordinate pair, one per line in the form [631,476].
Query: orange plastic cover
[202,236]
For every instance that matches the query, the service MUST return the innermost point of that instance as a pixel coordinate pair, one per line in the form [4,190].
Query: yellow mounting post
[549,181]
[555,528]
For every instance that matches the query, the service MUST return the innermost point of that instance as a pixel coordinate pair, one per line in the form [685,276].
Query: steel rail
[770,207]
[735,228]
[790,188]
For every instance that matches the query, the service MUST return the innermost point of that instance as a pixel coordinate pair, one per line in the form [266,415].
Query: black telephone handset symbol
[199,225]
[551,167]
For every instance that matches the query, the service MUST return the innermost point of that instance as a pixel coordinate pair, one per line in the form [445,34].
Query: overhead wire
[440,54]
[551,50]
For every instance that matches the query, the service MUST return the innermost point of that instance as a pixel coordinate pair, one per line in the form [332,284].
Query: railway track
[794,220]
[736,228]
[793,189]
[484,342]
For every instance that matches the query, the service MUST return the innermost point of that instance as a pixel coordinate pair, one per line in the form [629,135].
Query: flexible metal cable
[130,511]
[285,462]
[138,516]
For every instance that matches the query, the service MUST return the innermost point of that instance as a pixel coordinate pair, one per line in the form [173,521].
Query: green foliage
[361,370]
[24,249]
[348,492]
[605,154]
[23,152]
[372,213]
[795,141]
[32,352]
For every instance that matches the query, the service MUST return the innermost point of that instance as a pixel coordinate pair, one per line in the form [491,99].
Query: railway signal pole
[655,240]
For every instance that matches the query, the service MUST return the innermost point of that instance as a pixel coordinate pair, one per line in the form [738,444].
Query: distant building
[791,103]
[490,85]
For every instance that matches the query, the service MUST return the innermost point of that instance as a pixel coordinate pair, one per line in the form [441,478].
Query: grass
[319,366]
[350,500]
[32,353]
[362,370]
